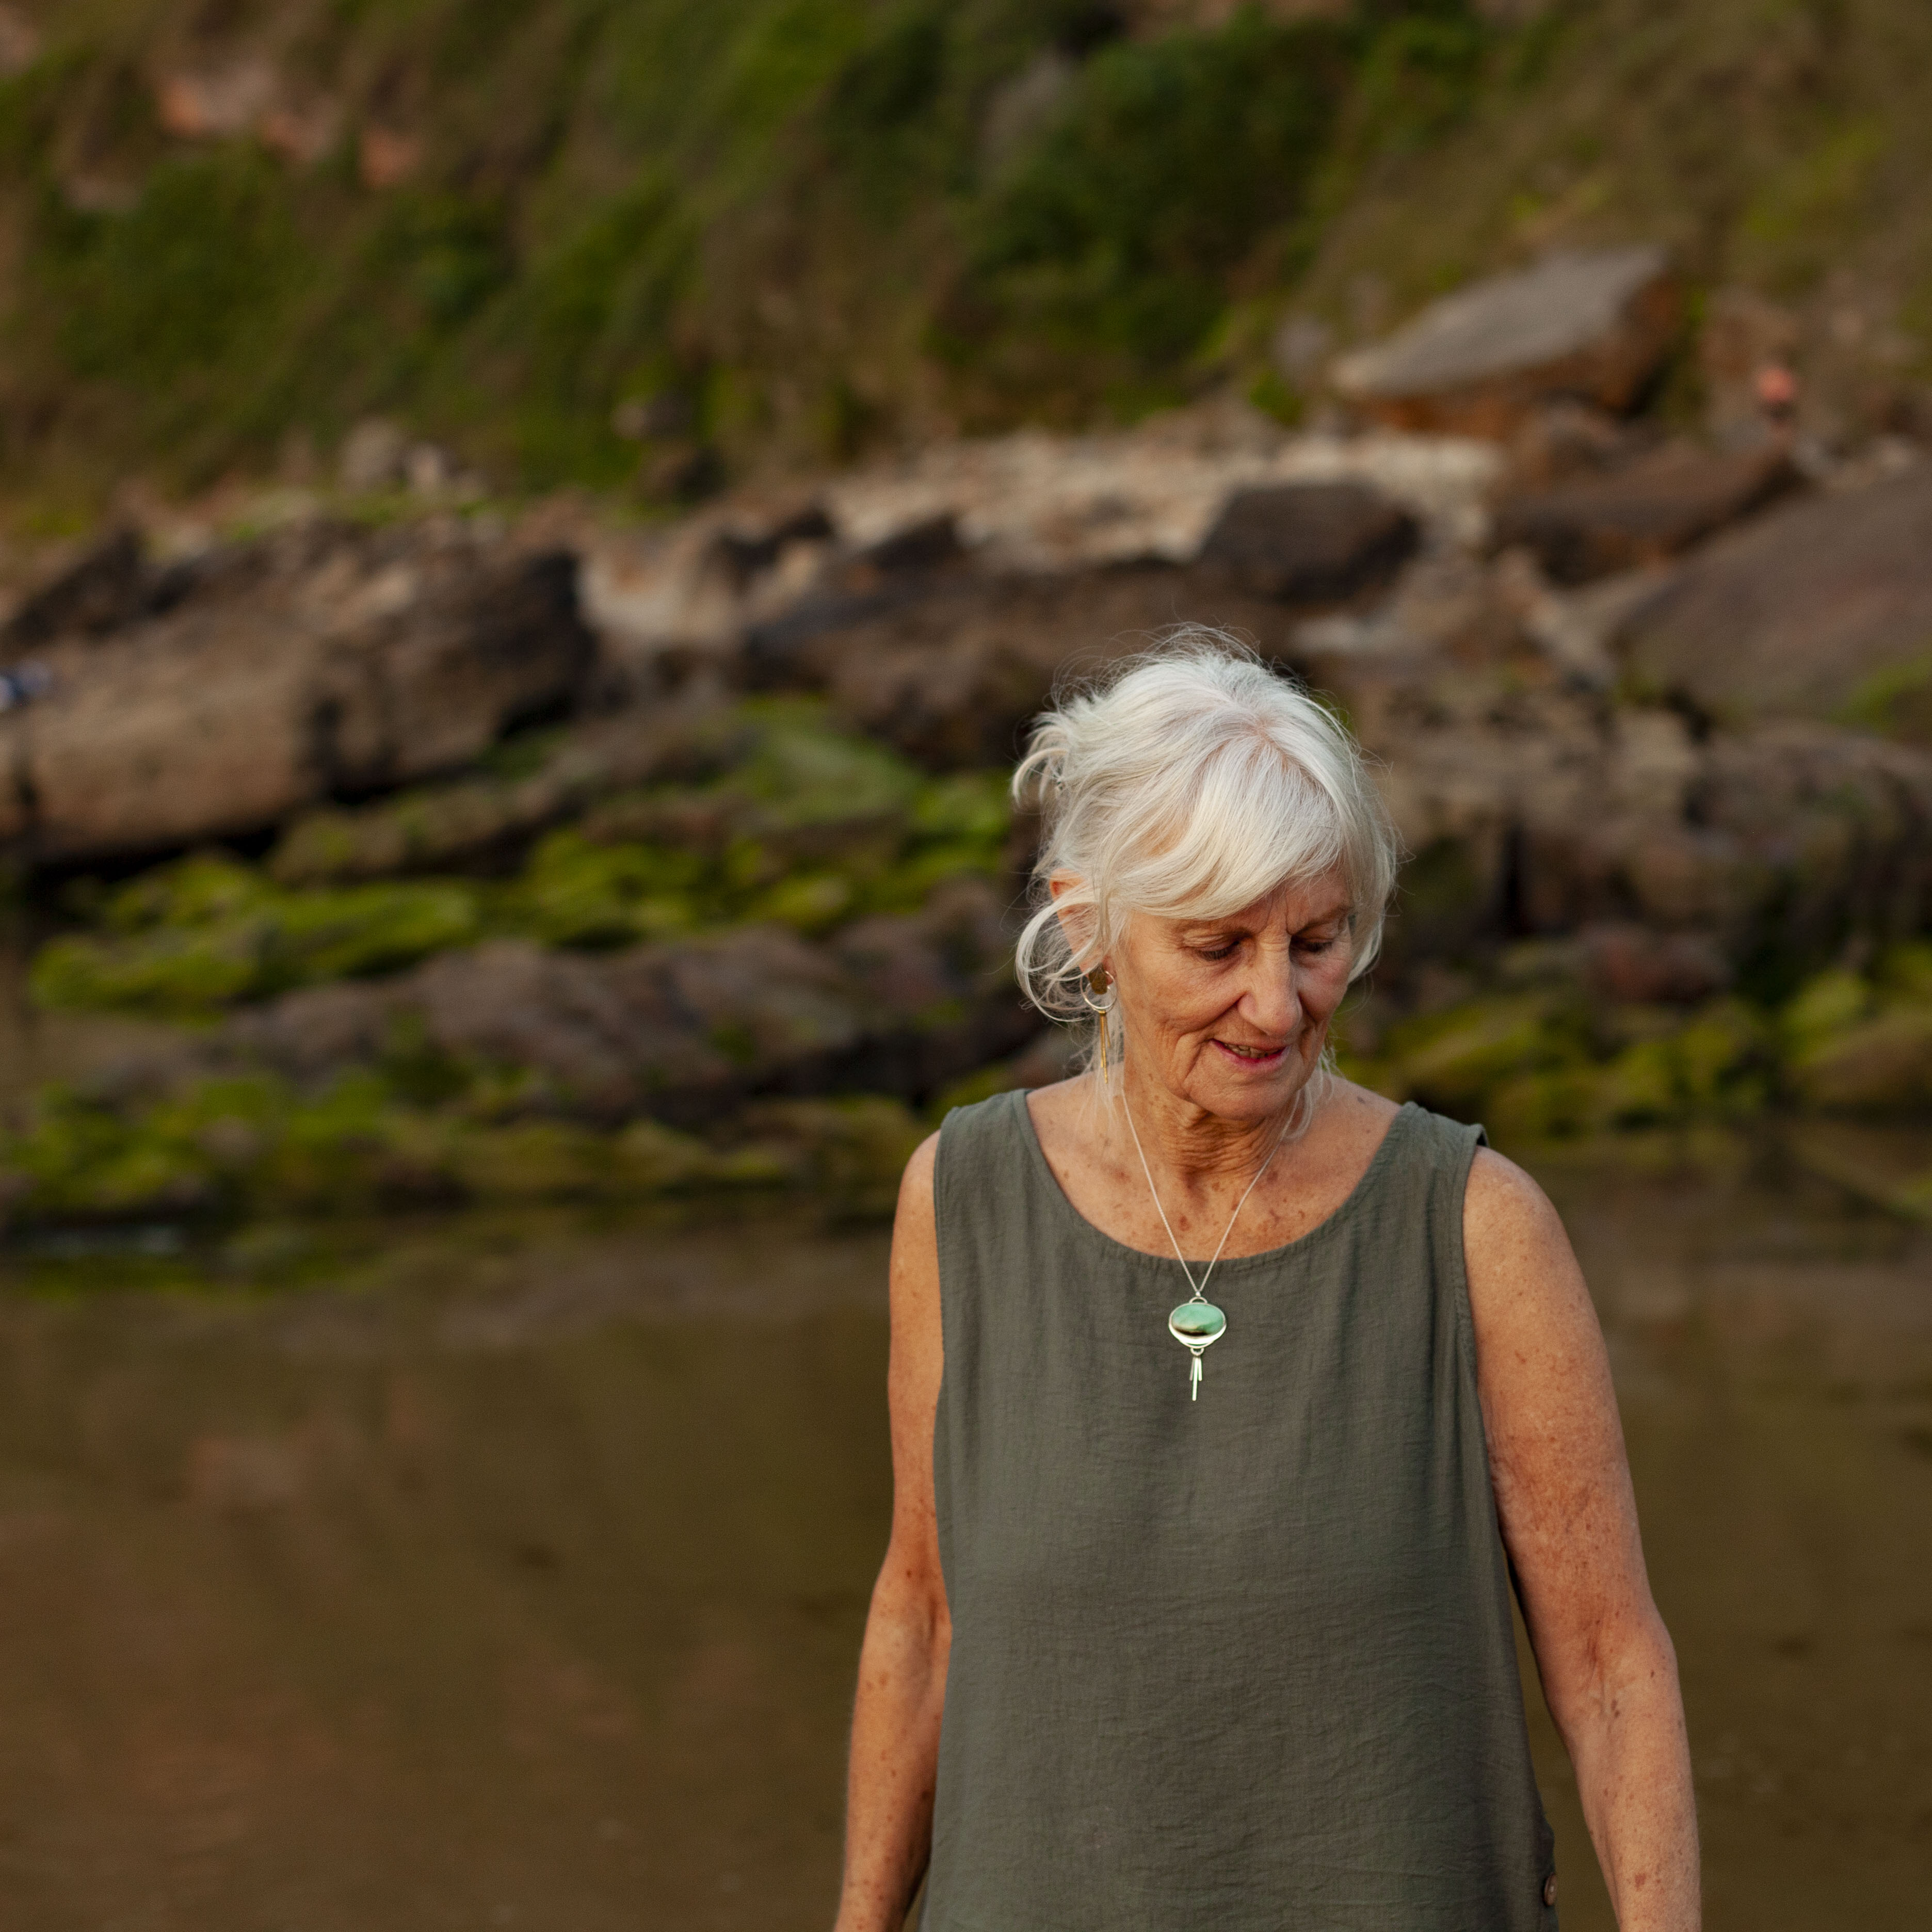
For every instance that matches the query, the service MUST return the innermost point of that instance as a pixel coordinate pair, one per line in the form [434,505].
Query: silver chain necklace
[1197,1322]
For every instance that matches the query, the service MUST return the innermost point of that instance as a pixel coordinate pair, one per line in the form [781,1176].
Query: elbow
[909,1608]
[1630,1664]
[1595,1676]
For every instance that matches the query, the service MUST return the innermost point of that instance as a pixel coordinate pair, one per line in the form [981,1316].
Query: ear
[1076,923]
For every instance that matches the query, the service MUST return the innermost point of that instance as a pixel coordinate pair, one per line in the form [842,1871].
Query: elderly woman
[1227,1399]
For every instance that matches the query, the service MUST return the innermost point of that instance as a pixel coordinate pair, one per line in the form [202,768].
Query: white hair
[1190,780]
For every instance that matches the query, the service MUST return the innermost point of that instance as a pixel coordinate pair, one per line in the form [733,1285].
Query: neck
[1190,1146]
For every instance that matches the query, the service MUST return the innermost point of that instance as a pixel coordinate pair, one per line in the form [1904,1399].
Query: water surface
[509,1572]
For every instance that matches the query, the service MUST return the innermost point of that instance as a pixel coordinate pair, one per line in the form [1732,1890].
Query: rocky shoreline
[467,856]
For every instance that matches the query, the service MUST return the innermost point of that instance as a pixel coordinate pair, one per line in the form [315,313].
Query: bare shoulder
[916,1183]
[1540,1350]
[1523,1273]
[1508,1221]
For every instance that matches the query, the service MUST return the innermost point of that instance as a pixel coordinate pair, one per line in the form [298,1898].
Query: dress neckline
[1341,1212]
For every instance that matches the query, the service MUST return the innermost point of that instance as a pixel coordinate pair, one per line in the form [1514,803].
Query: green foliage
[888,87]
[1273,395]
[1172,162]
[1794,226]
[773,211]
[205,260]
[1419,76]
[615,200]
[589,320]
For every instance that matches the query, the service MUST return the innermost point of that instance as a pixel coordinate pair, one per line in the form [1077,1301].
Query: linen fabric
[1244,1662]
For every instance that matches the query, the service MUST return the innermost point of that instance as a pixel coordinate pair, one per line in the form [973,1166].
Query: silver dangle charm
[1195,1325]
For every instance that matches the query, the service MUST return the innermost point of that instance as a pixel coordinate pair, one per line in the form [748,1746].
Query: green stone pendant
[1195,1325]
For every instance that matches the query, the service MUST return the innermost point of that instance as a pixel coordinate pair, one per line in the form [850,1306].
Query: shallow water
[509,1573]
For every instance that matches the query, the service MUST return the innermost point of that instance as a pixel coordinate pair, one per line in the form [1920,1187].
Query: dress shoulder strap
[983,1157]
[1419,1204]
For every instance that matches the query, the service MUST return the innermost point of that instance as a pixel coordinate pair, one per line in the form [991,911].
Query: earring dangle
[1097,981]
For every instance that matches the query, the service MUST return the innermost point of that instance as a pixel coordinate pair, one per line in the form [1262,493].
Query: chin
[1253,1096]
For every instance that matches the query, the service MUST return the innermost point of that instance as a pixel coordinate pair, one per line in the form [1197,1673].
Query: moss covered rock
[208,931]
[798,825]
[1857,1043]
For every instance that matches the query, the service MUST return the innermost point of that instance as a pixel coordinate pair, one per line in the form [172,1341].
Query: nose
[1270,1001]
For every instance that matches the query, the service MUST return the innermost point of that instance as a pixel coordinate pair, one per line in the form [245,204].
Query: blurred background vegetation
[640,244]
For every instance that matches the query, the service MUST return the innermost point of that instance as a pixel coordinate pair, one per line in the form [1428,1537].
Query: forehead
[1293,904]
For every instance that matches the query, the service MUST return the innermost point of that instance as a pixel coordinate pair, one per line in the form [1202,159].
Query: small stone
[1197,1323]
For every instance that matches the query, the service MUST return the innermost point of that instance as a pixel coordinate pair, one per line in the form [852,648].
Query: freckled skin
[1227,1019]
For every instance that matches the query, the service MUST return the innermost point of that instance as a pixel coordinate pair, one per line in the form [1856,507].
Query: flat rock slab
[1645,512]
[1820,609]
[1310,543]
[1594,326]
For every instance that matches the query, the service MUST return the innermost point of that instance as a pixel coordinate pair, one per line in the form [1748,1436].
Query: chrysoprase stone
[1197,1323]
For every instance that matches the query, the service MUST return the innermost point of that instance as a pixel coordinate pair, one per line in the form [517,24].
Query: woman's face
[1232,1014]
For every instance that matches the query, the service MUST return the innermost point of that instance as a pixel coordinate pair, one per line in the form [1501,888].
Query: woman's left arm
[1569,1520]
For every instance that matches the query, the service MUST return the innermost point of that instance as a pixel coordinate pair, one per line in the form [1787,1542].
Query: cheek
[1322,988]
[1176,982]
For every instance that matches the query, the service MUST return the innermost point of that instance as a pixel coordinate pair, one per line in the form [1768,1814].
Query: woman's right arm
[909,1633]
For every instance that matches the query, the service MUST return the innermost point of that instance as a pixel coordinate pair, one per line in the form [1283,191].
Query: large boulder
[951,678]
[1534,804]
[1821,608]
[1594,326]
[323,661]
[107,585]
[1642,513]
[1310,543]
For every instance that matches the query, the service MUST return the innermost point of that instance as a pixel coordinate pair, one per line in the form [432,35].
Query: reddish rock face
[1594,327]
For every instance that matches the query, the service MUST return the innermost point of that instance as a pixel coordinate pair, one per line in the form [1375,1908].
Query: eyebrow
[1340,913]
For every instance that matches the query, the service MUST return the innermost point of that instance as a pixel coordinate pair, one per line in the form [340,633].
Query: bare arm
[909,1633]
[1569,1520]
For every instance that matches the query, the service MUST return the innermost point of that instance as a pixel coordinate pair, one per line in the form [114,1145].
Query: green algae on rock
[1858,1043]
[255,1145]
[797,824]
[208,931]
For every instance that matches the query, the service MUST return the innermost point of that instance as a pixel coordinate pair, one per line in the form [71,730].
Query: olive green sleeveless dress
[1239,1664]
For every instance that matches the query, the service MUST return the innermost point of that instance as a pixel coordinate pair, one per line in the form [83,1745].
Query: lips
[1252,1056]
